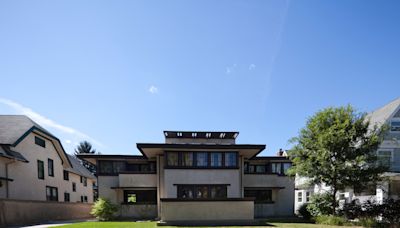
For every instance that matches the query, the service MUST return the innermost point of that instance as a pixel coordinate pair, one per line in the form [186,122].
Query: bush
[330,220]
[320,204]
[103,209]
[352,210]
[304,213]
[368,222]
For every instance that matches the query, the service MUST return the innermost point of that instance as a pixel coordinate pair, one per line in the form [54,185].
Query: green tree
[337,147]
[85,147]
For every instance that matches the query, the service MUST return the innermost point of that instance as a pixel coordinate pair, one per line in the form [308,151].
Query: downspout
[7,187]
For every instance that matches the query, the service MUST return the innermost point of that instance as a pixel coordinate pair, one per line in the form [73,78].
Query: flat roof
[202,134]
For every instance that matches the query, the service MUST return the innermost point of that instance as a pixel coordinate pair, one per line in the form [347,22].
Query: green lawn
[153,224]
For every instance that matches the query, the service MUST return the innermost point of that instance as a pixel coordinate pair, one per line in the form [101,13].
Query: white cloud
[252,66]
[68,141]
[230,69]
[153,89]
[46,122]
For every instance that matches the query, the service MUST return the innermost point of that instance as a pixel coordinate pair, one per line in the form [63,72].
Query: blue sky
[120,72]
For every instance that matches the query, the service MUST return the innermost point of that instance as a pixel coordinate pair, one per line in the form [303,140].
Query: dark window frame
[52,197]
[67,197]
[66,175]
[40,142]
[150,196]
[145,167]
[194,187]
[251,168]
[73,186]
[258,194]
[50,168]
[195,158]
[40,168]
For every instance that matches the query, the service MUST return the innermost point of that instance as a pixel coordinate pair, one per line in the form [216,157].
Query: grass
[272,223]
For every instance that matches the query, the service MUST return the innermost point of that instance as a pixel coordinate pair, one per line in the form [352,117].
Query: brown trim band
[118,187]
[206,200]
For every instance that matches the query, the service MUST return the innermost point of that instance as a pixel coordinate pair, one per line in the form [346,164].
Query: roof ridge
[385,105]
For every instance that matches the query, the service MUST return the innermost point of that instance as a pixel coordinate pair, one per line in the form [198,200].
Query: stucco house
[388,153]
[196,176]
[34,165]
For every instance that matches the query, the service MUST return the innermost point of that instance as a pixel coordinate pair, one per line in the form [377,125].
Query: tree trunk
[334,200]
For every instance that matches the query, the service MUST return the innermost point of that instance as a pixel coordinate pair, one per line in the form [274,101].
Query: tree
[337,147]
[85,147]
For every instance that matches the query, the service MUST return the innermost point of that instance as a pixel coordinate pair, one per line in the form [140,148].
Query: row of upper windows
[116,167]
[202,159]
[52,195]
[271,167]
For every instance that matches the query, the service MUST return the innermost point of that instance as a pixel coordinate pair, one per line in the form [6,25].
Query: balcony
[137,180]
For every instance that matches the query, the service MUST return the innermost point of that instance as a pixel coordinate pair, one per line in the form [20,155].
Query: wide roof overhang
[151,150]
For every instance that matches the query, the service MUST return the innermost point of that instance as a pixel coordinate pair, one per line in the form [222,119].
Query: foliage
[103,209]
[304,213]
[342,144]
[86,147]
[320,204]
[368,222]
[330,220]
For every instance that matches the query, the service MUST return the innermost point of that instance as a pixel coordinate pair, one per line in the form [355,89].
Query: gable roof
[383,114]
[78,168]
[14,128]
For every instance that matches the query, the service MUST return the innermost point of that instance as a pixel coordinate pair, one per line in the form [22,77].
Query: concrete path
[58,223]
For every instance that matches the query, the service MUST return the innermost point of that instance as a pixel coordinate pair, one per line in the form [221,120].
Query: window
[105,167]
[187,159]
[81,199]
[216,159]
[66,197]
[308,194]
[286,166]
[85,199]
[260,168]
[140,196]
[172,159]
[51,193]
[66,175]
[276,168]
[149,167]
[202,191]
[119,166]
[230,159]
[84,181]
[201,159]
[395,125]
[260,195]
[73,186]
[50,167]
[40,169]
[300,197]
[40,142]
[385,157]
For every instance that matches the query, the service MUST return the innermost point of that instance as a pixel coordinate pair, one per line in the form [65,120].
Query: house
[196,176]
[388,153]
[35,167]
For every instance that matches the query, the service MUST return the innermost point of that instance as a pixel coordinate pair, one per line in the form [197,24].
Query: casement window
[202,191]
[276,168]
[112,168]
[187,159]
[260,195]
[385,157]
[149,167]
[308,194]
[73,186]
[40,142]
[285,167]
[84,181]
[395,126]
[50,167]
[66,197]
[201,159]
[66,175]
[300,197]
[231,159]
[140,196]
[40,165]
[216,159]
[51,193]
[85,199]
[172,158]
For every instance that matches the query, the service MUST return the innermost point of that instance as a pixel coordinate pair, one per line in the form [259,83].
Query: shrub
[304,213]
[368,222]
[352,210]
[330,220]
[103,209]
[320,204]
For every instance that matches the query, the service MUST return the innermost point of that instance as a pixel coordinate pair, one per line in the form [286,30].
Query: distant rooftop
[202,134]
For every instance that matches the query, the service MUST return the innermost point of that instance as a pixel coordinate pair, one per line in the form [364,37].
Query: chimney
[280,152]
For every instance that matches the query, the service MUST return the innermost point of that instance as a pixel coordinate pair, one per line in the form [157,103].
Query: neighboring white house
[34,165]
[388,153]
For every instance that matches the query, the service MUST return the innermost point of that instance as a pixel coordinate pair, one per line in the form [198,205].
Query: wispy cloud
[46,122]
[153,89]
[230,69]
[252,66]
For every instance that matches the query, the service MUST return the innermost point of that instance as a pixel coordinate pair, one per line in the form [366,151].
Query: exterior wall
[138,180]
[139,211]
[105,183]
[3,185]
[207,210]
[27,185]
[202,176]
[283,198]
[21,212]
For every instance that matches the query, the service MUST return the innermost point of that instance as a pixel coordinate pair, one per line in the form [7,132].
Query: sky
[117,73]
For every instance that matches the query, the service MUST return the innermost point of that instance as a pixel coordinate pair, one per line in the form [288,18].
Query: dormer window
[395,125]
[40,142]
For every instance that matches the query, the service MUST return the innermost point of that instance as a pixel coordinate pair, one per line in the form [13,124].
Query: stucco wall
[3,185]
[138,180]
[207,210]
[21,212]
[105,183]
[27,185]
[201,176]
[139,211]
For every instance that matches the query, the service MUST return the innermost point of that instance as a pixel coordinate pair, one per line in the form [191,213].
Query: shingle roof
[12,127]
[78,168]
[381,115]
[5,151]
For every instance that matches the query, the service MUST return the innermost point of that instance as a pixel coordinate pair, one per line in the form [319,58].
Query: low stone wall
[207,210]
[24,212]
[140,211]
